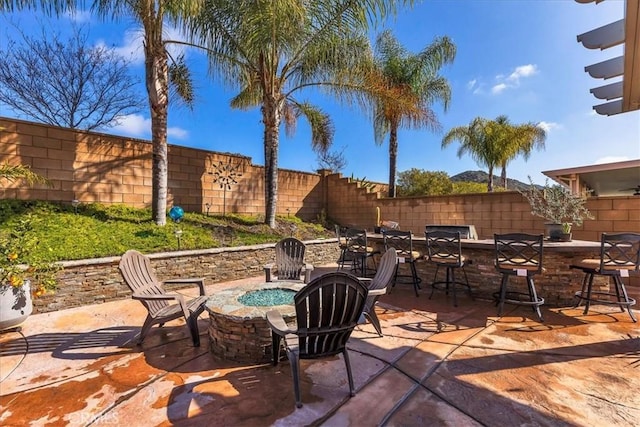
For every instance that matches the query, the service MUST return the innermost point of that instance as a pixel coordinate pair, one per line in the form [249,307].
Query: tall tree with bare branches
[151,15]
[65,81]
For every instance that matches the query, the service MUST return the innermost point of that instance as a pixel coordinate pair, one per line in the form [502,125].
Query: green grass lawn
[98,231]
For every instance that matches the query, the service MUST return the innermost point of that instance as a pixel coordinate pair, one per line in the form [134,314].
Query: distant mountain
[483,177]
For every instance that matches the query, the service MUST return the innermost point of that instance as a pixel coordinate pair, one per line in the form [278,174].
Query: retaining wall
[98,280]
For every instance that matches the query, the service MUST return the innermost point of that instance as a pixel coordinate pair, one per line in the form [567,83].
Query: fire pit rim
[225,302]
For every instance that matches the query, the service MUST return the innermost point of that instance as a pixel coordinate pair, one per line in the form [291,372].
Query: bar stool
[341,235]
[402,241]
[520,255]
[445,250]
[359,252]
[619,254]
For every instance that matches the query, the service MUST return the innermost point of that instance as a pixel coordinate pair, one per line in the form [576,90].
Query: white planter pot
[15,305]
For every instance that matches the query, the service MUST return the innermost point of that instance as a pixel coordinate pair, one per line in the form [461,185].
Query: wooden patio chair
[327,311]
[378,286]
[289,263]
[161,306]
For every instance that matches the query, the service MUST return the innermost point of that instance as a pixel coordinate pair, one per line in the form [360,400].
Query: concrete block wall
[489,212]
[94,167]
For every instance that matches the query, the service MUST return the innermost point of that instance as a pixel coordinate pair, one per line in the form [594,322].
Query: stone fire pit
[240,332]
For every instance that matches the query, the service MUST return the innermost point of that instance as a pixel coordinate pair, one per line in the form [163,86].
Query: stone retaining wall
[98,280]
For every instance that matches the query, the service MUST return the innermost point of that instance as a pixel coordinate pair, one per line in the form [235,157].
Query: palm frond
[13,173]
[322,129]
[181,81]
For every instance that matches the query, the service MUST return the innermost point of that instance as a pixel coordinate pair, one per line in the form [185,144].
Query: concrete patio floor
[436,365]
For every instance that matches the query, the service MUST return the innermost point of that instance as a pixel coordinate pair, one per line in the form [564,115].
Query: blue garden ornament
[176,213]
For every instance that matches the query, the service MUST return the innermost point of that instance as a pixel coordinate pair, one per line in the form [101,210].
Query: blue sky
[514,57]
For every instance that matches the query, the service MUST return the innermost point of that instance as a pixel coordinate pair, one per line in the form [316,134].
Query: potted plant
[559,207]
[22,272]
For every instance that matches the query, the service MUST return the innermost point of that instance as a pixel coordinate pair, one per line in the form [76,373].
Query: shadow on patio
[436,365]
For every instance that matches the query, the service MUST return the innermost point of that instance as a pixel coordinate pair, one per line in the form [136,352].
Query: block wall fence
[490,213]
[95,167]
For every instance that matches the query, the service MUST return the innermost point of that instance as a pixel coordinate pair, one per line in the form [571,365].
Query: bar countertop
[554,246]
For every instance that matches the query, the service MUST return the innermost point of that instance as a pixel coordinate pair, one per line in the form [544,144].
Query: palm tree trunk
[271,120]
[490,183]
[157,82]
[503,177]
[393,159]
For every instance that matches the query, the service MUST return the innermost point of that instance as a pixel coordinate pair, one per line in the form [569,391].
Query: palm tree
[413,85]
[273,50]
[479,140]
[151,15]
[516,140]
[158,72]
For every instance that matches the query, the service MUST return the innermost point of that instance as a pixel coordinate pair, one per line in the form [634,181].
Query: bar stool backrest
[401,241]
[356,240]
[444,247]
[519,251]
[619,251]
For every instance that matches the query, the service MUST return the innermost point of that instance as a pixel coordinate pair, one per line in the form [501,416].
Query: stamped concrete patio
[436,365]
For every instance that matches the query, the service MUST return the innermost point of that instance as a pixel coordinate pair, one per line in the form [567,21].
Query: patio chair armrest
[307,269]
[167,297]
[277,324]
[268,270]
[375,292]
[195,280]
[366,280]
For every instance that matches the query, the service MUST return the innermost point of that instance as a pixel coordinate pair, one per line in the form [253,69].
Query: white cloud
[522,71]
[177,133]
[133,125]
[136,126]
[132,49]
[499,88]
[513,79]
[549,126]
[503,81]
[80,16]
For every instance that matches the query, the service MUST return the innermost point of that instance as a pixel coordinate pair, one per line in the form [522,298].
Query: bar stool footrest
[518,298]
[407,279]
[598,300]
[442,286]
